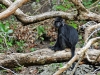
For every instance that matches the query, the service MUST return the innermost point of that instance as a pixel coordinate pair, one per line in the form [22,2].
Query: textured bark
[12,8]
[40,57]
[80,54]
[83,14]
[89,29]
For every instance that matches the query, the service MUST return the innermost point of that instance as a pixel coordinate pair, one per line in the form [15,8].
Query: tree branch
[12,8]
[79,54]
[84,14]
[88,30]
[40,57]
[79,6]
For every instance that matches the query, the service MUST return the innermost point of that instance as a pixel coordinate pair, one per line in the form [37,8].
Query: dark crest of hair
[59,18]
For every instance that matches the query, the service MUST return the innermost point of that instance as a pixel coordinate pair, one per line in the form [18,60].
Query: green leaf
[40,30]
[33,49]
[7,26]
[80,36]
[9,43]
[37,0]
[10,31]
[2,27]
[1,40]
[73,24]
[42,38]
[60,7]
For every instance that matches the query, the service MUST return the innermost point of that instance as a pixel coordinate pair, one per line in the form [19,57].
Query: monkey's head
[58,22]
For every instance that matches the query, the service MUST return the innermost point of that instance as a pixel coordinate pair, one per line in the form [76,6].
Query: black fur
[67,36]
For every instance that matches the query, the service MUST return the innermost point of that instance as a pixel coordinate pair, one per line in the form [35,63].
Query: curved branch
[89,29]
[12,8]
[25,19]
[79,6]
[78,55]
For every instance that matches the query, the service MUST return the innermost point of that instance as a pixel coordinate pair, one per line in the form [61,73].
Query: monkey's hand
[54,48]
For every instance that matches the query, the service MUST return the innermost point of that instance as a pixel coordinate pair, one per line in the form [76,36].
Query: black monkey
[67,37]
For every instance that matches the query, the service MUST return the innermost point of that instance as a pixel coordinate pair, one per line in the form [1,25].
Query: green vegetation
[33,49]
[2,6]
[40,31]
[87,3]
[63,6]
[20,45]
[5,38]
[73,24]
[52,43]
[37,0]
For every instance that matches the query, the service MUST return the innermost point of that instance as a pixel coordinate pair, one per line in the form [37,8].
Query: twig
[40,7]
[8,70]
[81,52]
[90,59]
[80,59]
[94,3]
[96,70]
[92,34]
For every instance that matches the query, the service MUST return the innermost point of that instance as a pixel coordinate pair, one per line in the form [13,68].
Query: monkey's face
[57,24]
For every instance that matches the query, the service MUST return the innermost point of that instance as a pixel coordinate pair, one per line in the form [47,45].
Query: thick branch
[79,6]
[83,13]
[12,8]
[33,19]
[43,56]
[78,55]
[89,29]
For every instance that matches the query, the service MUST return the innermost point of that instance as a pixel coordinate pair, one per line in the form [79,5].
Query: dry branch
[89,29]
[79,6]
[40,57]
[83,14]
[79,54]
[12,8]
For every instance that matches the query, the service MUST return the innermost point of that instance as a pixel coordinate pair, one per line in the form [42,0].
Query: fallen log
[40,57]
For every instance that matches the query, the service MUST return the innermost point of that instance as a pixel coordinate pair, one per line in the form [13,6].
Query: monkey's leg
[62,42]
[56,46]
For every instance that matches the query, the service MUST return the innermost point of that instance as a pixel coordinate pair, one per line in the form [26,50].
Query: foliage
[52,43]
[40,31]
[18,68]
[73,24]
[33,49]
[87,3]
[55,65]
[2,6]
[20,45]
[5,38]
[63,6]
[37,0]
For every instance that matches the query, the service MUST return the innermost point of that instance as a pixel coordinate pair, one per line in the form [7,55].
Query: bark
[12,8]
[40,57]
[88,30]
[83,14]
[80,54]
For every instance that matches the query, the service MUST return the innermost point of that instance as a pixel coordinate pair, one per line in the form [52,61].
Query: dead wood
[83,14]
[40,57]
[88,31]
[12,8]
[79,54]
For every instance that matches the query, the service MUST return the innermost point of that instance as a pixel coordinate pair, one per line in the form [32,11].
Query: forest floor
[29,38]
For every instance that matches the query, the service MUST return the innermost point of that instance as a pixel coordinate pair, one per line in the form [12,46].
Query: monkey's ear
[58,18]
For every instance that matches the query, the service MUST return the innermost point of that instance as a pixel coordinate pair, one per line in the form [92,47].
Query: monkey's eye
[57,24]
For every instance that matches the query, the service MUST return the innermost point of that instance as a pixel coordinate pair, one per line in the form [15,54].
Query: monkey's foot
[55,48]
